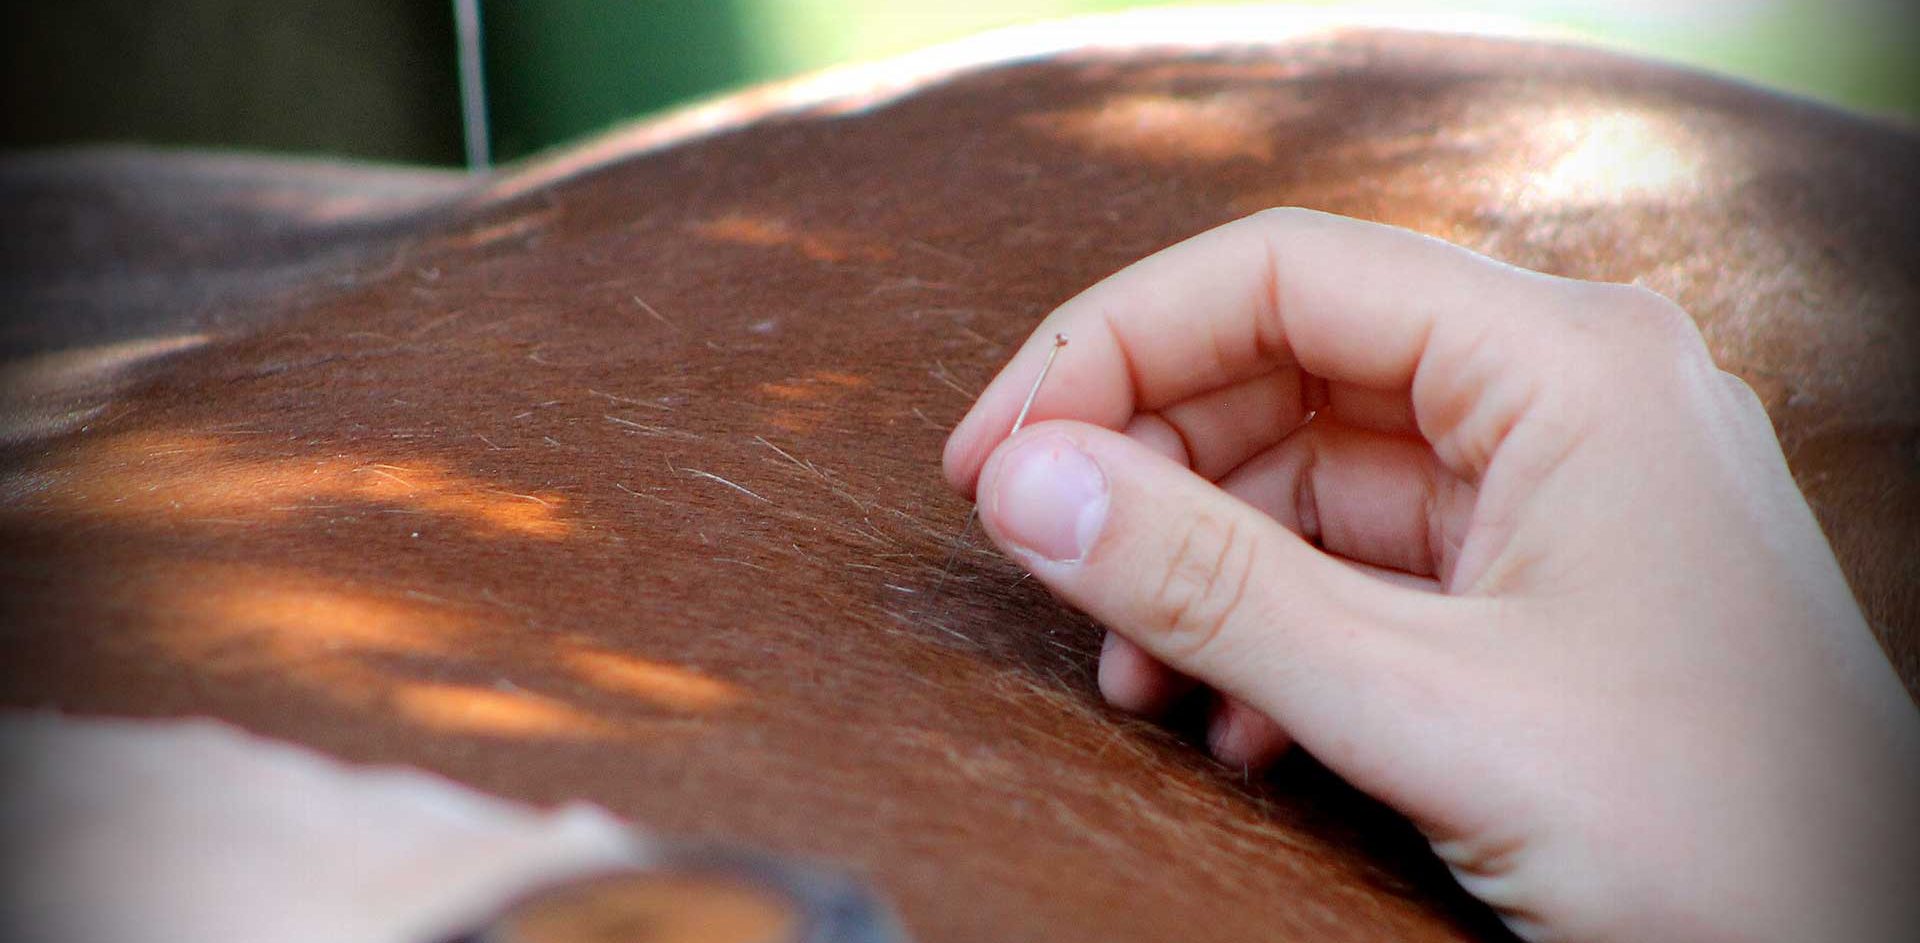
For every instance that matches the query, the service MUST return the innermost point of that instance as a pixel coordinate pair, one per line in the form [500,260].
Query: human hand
[1506,551]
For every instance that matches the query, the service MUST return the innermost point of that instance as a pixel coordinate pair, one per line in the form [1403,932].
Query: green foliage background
[560,68]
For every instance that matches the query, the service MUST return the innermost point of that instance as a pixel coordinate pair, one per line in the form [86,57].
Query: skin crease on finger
[1720,508]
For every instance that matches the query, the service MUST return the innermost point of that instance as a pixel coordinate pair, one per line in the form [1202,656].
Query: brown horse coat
[614,476]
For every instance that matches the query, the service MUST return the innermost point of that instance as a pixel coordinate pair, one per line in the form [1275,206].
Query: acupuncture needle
[1059,341]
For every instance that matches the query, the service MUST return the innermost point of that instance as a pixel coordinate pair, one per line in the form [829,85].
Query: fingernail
[1050,499]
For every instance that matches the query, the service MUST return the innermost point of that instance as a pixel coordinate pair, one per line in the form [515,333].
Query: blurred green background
[377,78]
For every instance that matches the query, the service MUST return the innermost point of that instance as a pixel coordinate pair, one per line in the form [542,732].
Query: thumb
[1215,588]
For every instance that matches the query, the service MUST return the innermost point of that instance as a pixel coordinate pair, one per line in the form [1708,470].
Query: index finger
[1347,301]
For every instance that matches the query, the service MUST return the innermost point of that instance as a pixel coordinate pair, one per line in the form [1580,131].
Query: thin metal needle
[1059,341]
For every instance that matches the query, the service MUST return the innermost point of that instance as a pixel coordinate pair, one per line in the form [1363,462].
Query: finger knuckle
[1742,391]
[1281,226]
[1645,318]
[1746,401]
[1281,217]
[1203,587]
[1613,332]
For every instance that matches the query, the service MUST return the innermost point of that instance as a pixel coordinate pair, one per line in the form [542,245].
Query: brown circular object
[651,908]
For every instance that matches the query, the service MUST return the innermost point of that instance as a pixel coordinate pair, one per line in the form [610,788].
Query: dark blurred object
[701,894]
[355,78]
[365,78]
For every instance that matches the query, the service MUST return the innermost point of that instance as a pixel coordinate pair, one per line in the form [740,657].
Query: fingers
[1373,498]
[1380,501]
[1330,295]
[1379,410]
[1238,735]
[1200,581]
[1217,430]
[1135,681]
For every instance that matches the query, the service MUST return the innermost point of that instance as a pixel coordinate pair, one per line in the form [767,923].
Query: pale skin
[1506,551]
